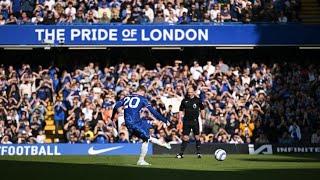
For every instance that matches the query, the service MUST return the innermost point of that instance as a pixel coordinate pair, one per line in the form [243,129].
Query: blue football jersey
[132,105]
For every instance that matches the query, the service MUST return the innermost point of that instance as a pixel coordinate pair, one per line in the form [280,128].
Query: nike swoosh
[92,151]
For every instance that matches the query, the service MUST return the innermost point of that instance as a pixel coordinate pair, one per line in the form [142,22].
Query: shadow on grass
[280,160]
[301,158]
[45,170]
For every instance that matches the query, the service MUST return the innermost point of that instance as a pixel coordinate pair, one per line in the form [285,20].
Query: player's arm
[156,114]
[116,107]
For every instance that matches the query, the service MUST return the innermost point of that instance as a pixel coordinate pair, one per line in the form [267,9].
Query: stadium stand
[158,11]
[53,104]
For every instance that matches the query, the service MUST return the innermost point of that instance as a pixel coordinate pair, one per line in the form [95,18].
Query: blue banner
[159,35]
[71,149]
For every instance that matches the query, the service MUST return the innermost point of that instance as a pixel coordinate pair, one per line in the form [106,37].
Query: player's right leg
[160,143]
[144,128]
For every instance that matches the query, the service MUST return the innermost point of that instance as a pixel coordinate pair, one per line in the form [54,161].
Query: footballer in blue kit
[132,106]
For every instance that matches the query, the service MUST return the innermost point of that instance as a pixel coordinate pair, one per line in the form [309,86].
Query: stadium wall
[134,149]
[243,148]
[71,149]
[160,35]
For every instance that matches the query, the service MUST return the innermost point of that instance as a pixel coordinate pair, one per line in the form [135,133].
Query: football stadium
[160,89]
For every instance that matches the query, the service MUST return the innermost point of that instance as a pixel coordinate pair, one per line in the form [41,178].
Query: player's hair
[142,88]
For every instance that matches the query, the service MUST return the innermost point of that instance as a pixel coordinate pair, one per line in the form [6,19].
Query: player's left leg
[143,153]
[142,131]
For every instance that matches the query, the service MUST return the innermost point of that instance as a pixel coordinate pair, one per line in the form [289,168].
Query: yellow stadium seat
[48,140]
[49,122]
[50,128]
[60,131]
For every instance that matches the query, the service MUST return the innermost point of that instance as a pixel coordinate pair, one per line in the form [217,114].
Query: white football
[220,154]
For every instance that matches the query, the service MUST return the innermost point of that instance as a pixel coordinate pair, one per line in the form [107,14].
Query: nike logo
[92,151]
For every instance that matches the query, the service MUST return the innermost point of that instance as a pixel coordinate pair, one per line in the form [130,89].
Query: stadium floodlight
[309,47]
[167,48]
[235,47]
[87,48]
[17,48]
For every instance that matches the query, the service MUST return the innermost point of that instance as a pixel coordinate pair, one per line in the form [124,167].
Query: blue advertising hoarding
[72,149]
[160,35]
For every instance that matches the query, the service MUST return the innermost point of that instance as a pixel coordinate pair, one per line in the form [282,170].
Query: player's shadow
[45,170]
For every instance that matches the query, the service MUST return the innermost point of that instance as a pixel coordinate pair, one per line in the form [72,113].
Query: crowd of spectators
[147,11]
[254,103]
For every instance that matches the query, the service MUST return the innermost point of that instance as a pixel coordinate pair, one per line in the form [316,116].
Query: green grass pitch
[163,167]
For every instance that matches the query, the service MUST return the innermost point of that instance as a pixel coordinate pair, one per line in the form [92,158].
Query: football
[220,154]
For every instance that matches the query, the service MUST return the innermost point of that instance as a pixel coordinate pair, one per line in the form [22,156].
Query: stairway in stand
[50,129]
[310,11]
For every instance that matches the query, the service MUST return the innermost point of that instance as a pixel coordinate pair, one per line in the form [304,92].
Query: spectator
[209,68]
[129,19]
[37,19]
[70,10]
[196,70]
[181,10]
[194,14]
[58,10]
[12,19]
[295,132]
[171,19]
[5,6]
[159,17]
[50,4]
[219,19]
[115,15]
[122,138]
[236,140]
[79,17]
[184,19]
[285,139]
[28,6]
[206,18]
[225,14]
[214,12]
[16,7]
[2,20]
[24,18]
[169,11]
[149,13]
[104,18]
[59,114]
[104,11]
[5,140]
[282,18]
[315,138]
[91,18]
[49,18]
[41,137]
